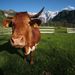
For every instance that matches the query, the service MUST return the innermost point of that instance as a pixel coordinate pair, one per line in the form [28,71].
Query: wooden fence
[47,29]
[43,29]
[70,30]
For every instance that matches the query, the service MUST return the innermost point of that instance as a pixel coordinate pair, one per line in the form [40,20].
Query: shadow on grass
[1,72]
[7,47]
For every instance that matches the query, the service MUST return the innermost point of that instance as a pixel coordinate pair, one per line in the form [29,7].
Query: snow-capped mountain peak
[46,15]
[69,8]
[52,13]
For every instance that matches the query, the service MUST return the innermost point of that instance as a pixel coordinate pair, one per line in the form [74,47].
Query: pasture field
[55,55]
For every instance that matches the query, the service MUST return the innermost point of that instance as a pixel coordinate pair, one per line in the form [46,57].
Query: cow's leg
[31,57]
[25,58]
[20,53]
[26,53]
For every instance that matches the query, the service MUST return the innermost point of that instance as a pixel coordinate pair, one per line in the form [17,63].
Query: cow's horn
[38,14]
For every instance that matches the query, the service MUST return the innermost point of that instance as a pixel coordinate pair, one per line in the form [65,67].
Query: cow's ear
[7,23]
[35,22]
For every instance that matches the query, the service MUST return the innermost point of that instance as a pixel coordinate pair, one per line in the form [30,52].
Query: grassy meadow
[55,55]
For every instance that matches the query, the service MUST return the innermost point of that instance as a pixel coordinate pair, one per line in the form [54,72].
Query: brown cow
[25,32]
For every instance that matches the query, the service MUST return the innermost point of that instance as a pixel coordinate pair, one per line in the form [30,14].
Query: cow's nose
[17,40]
[21,39]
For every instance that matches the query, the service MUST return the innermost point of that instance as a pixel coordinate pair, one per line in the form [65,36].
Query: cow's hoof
[31,62]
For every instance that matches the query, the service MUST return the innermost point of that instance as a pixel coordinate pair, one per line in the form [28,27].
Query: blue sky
[35,5]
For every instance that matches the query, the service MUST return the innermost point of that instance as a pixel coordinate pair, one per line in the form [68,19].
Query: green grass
[55,54]
[61,29]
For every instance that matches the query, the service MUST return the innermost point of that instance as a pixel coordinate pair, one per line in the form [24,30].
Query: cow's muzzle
[17,42]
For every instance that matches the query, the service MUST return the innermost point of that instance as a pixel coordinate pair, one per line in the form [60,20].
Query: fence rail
[47,29]
[70,30]
[43,29]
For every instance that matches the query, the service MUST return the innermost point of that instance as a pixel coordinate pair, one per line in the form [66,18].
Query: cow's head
[21,27]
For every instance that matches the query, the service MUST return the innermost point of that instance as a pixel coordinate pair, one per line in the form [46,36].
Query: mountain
[67,16]
[69,8]
[9,12]
[64,14]
[46,15]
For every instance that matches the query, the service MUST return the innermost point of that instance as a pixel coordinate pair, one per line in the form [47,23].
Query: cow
[25,32]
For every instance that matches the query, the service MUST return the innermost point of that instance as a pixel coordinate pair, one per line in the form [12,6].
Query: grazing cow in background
[25,32]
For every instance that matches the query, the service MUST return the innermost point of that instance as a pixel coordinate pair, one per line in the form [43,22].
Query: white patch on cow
[31,49]
[7,25]
[36,45]
[28,51]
